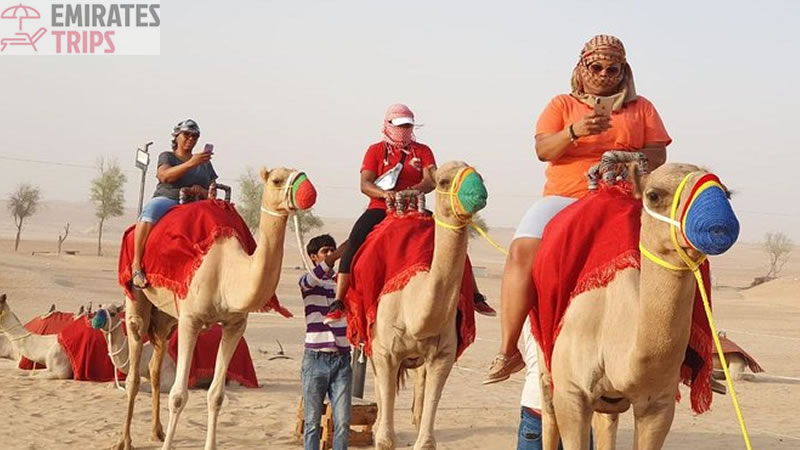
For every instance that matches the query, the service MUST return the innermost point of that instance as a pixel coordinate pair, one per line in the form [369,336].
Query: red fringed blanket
[204,359]
[396,250]
[51,323]
[87,351]
[179,241]
[567,265]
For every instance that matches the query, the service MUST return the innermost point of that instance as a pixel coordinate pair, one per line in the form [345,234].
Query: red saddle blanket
[204,359]
[583,248]
[179,241]
[396,250]
[87,352]
[48,324]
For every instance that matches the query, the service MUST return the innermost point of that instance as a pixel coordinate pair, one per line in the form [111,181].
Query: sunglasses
[189,135]
[597,69]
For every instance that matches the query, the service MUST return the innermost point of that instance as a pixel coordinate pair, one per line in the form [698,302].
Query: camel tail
[402,375]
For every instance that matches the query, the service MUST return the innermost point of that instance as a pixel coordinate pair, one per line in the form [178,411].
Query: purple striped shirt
[318,289]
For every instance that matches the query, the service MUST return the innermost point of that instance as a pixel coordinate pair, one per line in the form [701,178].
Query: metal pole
[143,167]
[359,366]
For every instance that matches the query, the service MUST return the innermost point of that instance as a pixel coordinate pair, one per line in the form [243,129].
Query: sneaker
[335,313]
[503,367]
[482,307]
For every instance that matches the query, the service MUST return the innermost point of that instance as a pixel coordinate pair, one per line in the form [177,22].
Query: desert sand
[764,320]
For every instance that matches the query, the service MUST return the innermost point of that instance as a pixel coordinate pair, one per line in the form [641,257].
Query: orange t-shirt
[637,124]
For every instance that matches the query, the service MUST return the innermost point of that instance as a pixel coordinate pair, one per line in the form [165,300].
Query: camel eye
[278,182]
[444,182]
[653,196]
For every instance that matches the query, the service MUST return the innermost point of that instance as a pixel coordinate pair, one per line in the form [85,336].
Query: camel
[622,345]
[225,288]
[39,349]
[738,361]
[9,351]
[118,345]
[415,327]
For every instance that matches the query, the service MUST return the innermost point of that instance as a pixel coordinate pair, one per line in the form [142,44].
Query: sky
[305,84]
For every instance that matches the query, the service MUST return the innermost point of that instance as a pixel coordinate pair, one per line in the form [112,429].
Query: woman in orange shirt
[572,138]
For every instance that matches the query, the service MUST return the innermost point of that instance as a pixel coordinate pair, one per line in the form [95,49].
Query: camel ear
[638,178]
[264,174]
[3,298]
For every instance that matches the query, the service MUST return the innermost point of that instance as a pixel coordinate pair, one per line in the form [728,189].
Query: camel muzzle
[710,224]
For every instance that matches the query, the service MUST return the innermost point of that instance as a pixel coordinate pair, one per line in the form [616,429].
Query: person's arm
[170,174]
[368,186]
[656,153]
[331,259]
[550,146]
[309,280]
[428,182]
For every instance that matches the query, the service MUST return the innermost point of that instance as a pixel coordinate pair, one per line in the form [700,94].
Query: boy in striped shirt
[326,360]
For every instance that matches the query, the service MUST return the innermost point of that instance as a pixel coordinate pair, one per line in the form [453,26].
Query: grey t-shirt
[200,175]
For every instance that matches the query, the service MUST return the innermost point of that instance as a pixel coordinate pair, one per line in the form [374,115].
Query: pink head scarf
[397,136]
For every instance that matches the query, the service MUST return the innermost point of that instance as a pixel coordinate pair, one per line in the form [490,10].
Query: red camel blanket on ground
[179,241]
[87,352]
[204,359]
[730,347]
[396,250]
[583,248]
[45,325]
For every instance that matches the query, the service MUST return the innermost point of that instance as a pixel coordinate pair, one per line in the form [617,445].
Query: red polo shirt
[418,157]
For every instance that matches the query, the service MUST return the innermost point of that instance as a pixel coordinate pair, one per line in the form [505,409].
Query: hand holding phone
[209,148]
[603,106]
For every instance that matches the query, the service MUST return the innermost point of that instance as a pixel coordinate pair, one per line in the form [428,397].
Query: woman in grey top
[179,168]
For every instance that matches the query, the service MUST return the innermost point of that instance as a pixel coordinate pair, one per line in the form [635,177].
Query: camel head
[460,193]
[687,207]
[108,318]
[5,313]
[285,191]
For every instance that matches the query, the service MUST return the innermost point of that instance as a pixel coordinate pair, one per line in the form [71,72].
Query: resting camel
[415,327]
[40,349]
[622,345]
[225,288]
[7,349]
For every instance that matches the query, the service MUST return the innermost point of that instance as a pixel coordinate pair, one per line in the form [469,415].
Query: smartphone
[208,148]
[603,106]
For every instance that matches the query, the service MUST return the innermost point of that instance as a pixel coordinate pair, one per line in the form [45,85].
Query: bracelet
[572,136]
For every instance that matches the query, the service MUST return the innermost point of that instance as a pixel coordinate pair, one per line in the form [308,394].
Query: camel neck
[117,350]
[665,303]
[22,340]
[265,263]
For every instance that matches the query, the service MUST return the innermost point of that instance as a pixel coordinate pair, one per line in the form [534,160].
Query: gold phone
[604,105]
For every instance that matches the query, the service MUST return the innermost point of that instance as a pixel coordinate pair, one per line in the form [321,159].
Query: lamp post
[142,161]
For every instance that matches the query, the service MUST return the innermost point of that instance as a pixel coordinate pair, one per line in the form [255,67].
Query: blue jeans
[155,208]
[326,373]
[530,432]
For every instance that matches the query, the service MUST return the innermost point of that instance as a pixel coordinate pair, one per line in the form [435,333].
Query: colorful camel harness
[707,189]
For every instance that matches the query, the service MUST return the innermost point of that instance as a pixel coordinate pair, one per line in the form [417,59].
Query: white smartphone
[604,106]
[208,148]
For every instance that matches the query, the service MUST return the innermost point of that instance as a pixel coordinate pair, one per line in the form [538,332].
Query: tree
[22,204]
[778,246]
[107,194]
[251,190]
[479,221]
[61,239]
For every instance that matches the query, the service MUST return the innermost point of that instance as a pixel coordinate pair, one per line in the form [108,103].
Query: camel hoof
[122,444]
[428,444]
[384,443]
[157,435]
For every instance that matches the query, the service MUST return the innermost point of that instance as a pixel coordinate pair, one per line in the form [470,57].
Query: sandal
[503,367]
[139,275]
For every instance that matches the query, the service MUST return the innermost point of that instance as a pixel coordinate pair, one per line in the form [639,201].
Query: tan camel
[228,285]
[39,349]
[416,327]
[7,349]
[623,344]
[117,343]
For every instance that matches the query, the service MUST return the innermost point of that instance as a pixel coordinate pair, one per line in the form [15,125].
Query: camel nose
[304,193]
[472,193]
[711,225]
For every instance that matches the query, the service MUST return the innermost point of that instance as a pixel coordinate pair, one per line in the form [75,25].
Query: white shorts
[539,214]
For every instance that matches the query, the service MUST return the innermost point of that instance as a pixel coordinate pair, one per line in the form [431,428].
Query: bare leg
[140,235]
[231,333]
[137,320]
[437,372]
[188,330]
[342,284]
[516,292]
[386,370]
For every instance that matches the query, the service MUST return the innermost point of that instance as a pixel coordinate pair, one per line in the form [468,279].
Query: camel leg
[386,370]
[58,365]
[550,434]
[231,333]
[156,361]
[652,423]
[574,417]
[605,430]
[188,330]
[419,396]
[137,319]
[437,371]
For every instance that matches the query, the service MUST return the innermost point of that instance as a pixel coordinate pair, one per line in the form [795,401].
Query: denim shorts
[539,214]
[155,208]
[530,432]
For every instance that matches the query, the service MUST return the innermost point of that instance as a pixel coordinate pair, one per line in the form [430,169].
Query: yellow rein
[694,266]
